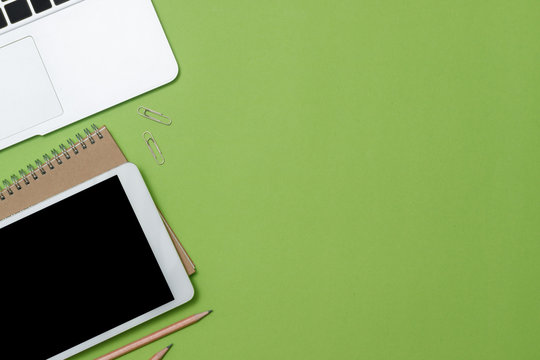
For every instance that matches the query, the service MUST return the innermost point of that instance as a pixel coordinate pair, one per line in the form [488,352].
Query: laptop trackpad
[27,97]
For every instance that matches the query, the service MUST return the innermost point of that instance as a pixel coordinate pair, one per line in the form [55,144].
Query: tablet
[85,265]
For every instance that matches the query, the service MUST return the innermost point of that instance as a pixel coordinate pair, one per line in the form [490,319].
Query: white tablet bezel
[156,233]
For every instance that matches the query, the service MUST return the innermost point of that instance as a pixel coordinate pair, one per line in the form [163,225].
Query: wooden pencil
[160,354]
[154,336]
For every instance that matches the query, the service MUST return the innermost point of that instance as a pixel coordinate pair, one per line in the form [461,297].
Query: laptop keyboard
[13,11]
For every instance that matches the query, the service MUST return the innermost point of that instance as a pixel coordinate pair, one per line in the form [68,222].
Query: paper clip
[158,155]
[143,111]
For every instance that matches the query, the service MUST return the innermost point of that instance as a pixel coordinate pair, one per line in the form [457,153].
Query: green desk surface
[354,179]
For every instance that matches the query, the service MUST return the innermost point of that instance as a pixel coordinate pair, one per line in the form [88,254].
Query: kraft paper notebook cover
[92,155]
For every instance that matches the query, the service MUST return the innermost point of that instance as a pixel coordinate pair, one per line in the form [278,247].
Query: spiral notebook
[91,155]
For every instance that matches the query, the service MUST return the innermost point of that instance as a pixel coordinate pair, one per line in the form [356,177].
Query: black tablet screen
[75,270]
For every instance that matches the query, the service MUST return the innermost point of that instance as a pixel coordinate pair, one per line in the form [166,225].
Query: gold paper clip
[143,111]
[157,154]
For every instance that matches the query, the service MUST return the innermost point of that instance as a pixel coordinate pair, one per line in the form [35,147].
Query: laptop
[64,60]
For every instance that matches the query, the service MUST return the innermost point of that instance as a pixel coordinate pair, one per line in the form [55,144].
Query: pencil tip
[209,311]
[168,347]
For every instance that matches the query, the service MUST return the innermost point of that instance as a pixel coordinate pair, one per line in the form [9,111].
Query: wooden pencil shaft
[153,336]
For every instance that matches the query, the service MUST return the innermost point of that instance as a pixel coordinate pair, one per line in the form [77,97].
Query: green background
[354,179]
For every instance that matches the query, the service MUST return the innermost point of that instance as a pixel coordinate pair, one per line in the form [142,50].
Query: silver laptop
[63,60]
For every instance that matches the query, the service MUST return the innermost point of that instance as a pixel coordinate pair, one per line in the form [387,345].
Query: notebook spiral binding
[49,162]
